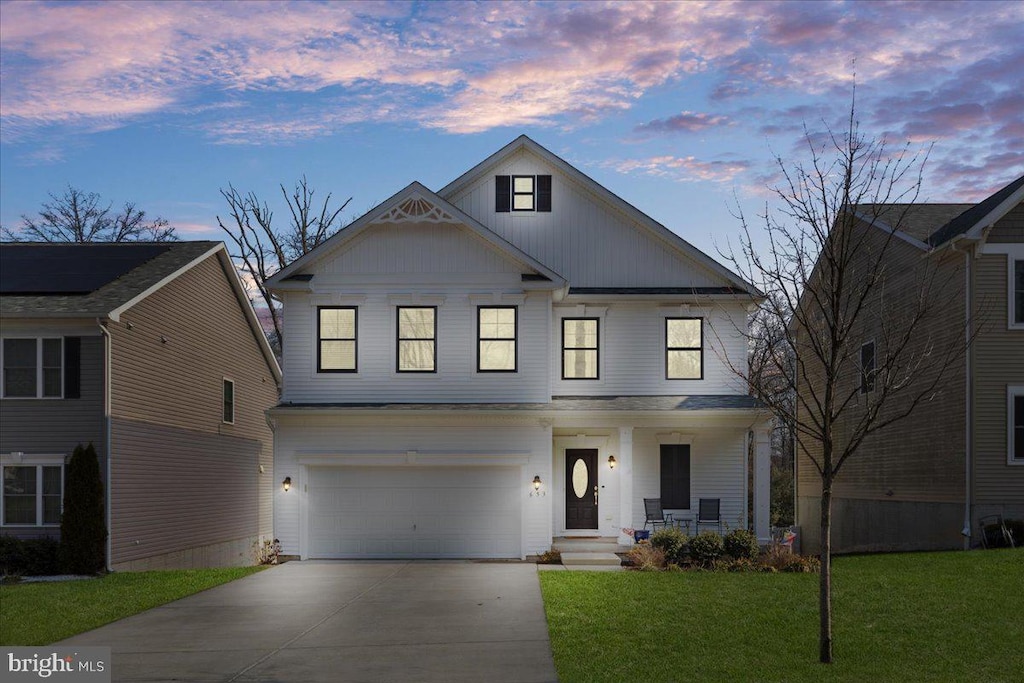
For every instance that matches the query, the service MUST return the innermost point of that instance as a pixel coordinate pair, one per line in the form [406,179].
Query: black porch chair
[654,514]
[709,512]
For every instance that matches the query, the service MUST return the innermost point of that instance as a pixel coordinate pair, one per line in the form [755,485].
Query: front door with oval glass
[581,488]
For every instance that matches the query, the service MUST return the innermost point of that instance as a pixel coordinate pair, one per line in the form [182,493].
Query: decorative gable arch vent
[415,210]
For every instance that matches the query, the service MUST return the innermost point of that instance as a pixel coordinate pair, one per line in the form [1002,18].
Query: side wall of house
[187,487]
[998,363]
[54,427]
[903,489]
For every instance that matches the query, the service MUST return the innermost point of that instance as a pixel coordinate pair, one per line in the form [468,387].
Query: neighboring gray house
[518,357]
[926,482]
[153,353]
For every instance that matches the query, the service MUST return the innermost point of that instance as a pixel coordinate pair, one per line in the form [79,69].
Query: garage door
[410,512]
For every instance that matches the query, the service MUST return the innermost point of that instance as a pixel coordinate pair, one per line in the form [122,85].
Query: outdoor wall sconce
[536,486]
[287,483]
[611,462]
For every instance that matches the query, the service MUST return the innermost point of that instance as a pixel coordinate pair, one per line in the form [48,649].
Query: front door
[581,488]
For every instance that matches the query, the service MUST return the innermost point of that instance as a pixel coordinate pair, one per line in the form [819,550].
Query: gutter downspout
[968,407]
[106,438]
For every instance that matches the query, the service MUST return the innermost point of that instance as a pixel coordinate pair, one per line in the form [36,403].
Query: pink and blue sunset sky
[676,107]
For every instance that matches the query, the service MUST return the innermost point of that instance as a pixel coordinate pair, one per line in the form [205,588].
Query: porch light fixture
[611,462]
[287,483]
[536,482]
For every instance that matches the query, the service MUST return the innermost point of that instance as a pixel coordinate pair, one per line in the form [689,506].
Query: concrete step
[588,545]
[593,559]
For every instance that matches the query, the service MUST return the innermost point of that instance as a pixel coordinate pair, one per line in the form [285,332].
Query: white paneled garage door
[406,512]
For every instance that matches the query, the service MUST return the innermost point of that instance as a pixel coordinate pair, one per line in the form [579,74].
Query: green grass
[909,617]
[42,613]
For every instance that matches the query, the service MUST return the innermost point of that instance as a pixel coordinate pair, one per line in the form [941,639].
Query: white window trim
[16,459]
[1012,391]
[234,400]
[1011,289]
[39,368]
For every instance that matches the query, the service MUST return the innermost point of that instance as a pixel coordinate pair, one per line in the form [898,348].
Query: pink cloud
[686,121]
[683,169]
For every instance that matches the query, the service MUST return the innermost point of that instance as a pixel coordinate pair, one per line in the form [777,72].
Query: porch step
[593,559]
[594,544]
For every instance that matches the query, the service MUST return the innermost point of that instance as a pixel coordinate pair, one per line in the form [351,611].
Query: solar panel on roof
[69,268]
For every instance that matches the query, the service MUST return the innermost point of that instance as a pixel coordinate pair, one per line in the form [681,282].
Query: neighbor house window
[496,338]
[33,368]
[32,494]
[336,339]
[229,401]
[522,193]
[675,476]
[1017,293]
[684,348]
[417,339]
[1015,422]
[579,348]
[867,367]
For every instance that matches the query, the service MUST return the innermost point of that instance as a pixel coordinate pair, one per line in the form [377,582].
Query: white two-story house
[517,357]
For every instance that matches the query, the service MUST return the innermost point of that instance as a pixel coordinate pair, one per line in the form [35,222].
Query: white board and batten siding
[385,487]
[583,238]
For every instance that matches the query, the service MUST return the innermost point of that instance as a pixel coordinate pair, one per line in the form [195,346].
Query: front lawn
[42,613]
[920,616]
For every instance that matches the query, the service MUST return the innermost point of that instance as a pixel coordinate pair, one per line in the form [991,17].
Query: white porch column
[625,468]
[762,484]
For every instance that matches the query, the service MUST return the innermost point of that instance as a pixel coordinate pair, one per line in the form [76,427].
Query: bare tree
[78,216]
[261,249]
[831,276]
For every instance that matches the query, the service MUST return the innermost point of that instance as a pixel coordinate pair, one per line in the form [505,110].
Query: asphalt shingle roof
[969,218]
[108,296]
[917,220]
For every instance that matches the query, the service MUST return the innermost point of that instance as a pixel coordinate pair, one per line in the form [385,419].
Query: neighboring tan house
[517,357]
[927,481]
[153,353]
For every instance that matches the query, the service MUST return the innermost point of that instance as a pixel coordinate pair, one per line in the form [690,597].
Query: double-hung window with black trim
[518,193]
[497,338]
[416,346]
[580,355]
[336,338]
[1017,292]
[684,348]
[228,403]
[867,367]
[675,476]
[1015,418]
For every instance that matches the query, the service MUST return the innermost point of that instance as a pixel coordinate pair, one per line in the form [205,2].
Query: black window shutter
[72,367]
[675,477]
[503,193]
[544,193]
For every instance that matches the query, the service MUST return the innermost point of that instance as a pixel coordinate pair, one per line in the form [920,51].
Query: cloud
[682,169]
[687,121]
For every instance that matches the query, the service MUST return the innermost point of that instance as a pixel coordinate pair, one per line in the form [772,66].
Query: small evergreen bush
[741,544]
[83,532]
[671,541]
[28,556]
[706,547]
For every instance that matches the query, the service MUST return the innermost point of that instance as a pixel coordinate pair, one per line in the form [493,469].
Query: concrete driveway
[343,621]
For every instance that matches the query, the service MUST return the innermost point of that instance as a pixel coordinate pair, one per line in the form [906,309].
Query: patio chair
[994,533]
[654,514]
[709,512]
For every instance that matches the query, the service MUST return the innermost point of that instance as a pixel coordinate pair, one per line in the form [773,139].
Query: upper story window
[1017,293]
[684,348]
[496,338]
[32,495]
[417,339]
[867,367]
[579,348]
[228,412]
[33,368]
[336,339]
[522,193]
[1015,424]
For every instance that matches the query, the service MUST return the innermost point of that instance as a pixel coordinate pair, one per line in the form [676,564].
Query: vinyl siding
[998,362]
[1009,228]
[57,426]
[167,409]
[583,238]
